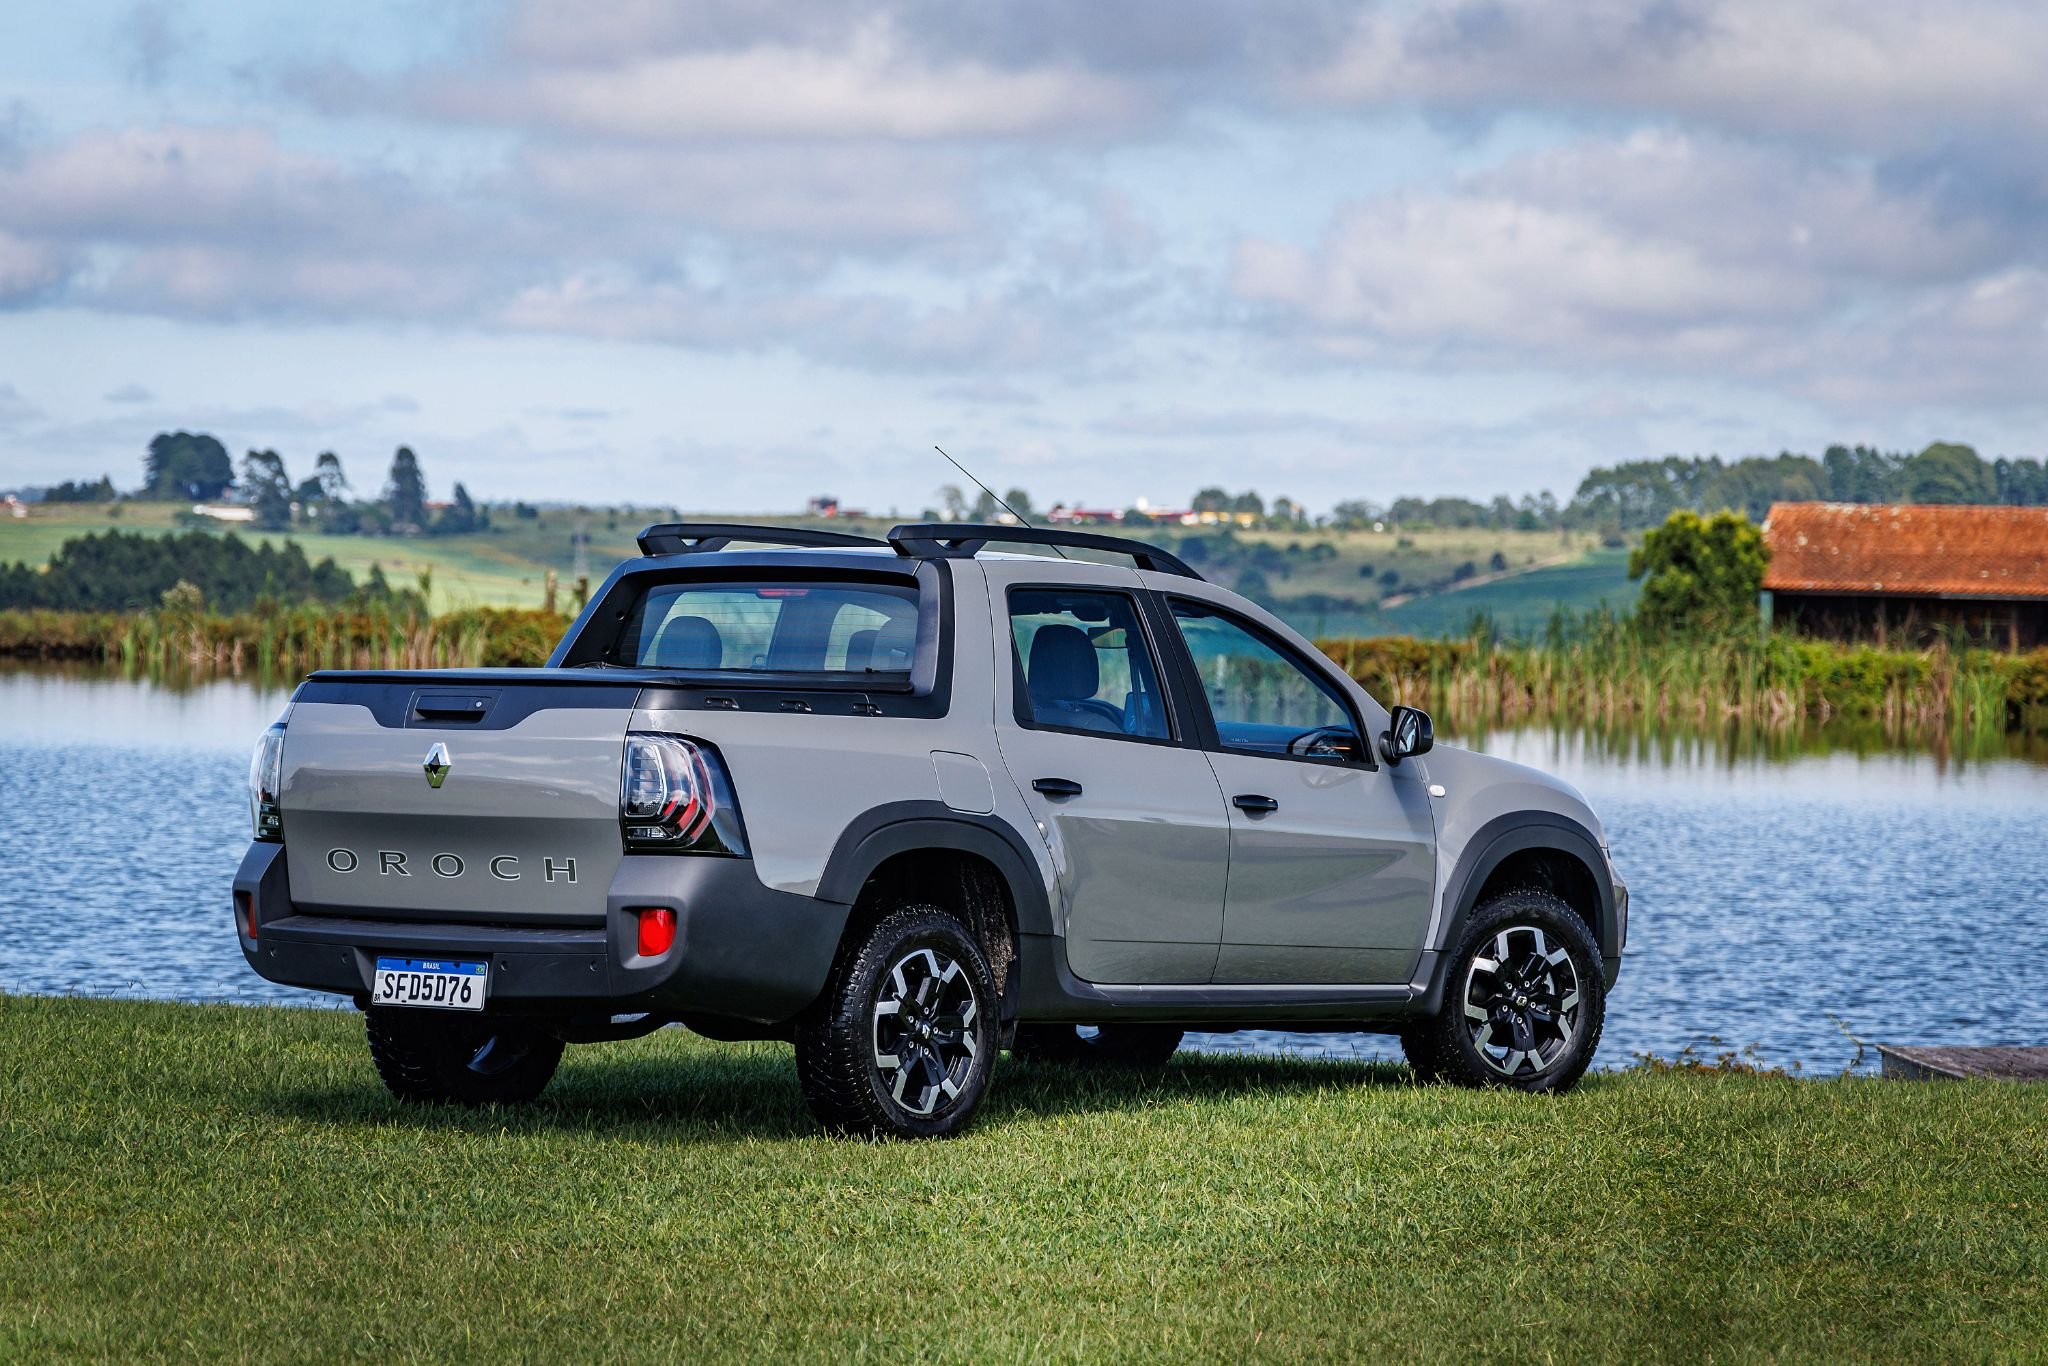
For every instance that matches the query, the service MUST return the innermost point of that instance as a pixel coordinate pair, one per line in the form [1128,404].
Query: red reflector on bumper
[657,930]
[245,911]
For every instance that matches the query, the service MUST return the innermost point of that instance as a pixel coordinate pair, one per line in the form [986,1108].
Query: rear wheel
[900,1044]
[1122,1045]
[1524,1003]
[429,1056]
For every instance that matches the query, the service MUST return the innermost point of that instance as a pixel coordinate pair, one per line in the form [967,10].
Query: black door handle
[1057,787]
[1251,803]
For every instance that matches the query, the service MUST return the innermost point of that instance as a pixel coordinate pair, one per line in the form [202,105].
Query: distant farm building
[1903,575]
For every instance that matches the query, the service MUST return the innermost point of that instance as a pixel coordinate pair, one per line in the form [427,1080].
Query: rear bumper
[741,950]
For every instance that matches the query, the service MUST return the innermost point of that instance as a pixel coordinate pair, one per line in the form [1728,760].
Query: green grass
[192,1181]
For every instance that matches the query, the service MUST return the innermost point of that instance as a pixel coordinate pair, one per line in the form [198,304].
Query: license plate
[437,982]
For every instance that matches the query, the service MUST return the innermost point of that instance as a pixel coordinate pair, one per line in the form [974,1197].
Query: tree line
[194,467]
[119,571]
[1639,494]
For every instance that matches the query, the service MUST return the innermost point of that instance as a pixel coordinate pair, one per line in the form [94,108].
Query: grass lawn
[216,1181]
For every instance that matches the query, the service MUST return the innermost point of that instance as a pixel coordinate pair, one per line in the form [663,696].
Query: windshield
[862,629]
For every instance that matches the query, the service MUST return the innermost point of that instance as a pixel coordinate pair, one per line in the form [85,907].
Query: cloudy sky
[728,254]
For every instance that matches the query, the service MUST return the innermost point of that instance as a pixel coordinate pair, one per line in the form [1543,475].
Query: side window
[1082,663]
[1263,702]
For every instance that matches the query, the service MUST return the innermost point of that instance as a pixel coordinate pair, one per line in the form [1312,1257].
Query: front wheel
[1524,1003]
[433,1056]
[901,1042]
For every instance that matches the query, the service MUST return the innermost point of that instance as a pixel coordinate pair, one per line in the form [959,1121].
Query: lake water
[1775,904]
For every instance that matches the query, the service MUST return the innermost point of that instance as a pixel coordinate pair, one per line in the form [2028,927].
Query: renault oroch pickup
[906,803]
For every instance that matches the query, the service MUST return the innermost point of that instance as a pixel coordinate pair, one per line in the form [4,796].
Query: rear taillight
[657,931]
[674,797]
[266,776]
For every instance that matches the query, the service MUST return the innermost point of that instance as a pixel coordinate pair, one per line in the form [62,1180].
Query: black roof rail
[687,538]
[942,540]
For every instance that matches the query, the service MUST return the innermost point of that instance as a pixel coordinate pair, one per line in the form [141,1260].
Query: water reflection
[1902,894]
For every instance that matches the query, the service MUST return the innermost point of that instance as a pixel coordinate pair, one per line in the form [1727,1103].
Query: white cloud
[875,86]
[1905,73]
[1661,251]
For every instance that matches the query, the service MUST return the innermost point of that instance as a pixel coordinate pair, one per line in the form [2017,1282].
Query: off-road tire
[1443,1046]
[1119,1045]
[857,1022]
[431,1056]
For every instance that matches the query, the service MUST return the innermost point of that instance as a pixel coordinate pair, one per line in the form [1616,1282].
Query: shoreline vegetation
[1600,670]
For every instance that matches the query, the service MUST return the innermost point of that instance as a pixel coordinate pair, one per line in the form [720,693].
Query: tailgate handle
[452,706]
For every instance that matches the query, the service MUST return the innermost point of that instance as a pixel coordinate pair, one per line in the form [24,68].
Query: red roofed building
[1895,574]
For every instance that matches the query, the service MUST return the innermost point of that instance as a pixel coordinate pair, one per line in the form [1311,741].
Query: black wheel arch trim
[895,828]
[1490,846]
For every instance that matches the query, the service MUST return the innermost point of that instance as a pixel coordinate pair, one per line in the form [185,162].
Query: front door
[1133,816]
[1332,859]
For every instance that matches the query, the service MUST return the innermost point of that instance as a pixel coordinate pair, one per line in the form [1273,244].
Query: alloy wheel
[924,1036]
[1521,1001]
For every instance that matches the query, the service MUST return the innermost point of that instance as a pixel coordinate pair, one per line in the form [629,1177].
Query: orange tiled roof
[1916,549]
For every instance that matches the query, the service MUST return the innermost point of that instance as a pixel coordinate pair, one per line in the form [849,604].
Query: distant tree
[460,517]
[985,508]
[186,465]
[953,502]
[2020,483]
[1499,563]
[1020,502]
[333,483]
[269,489]
[1948,473]
[100,490]
[1354,514]
[1701,575]
[1249,501]
[1212,499]
[405,493]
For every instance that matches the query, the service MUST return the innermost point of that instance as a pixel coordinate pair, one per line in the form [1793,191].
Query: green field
[507,565]
[215,1181]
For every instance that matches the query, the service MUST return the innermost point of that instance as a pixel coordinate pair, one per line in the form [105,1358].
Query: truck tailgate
[522,825]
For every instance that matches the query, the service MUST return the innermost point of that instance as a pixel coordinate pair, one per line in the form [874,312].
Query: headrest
[1062,667]
[860,650]
[688,643]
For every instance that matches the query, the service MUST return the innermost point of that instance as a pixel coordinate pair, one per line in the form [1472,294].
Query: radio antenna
[992,494]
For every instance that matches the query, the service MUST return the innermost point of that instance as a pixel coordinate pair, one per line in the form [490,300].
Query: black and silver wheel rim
[924,1036]
[1522,1002]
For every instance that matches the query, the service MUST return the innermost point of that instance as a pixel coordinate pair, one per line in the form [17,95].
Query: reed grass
[1606,673]
[1598,671]
[285,641]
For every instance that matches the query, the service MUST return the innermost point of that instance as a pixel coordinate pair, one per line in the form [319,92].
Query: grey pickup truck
[906,803]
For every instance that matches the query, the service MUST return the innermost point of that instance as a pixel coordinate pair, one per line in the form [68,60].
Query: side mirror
[1408,733]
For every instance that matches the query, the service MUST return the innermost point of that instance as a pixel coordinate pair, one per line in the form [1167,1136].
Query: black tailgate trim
[392,701]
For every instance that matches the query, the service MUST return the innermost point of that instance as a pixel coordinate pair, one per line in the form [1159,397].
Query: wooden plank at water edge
[1957,1064]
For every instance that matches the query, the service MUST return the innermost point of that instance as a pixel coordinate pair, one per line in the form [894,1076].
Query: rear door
[1332,859]
[1131,811]
[522,824]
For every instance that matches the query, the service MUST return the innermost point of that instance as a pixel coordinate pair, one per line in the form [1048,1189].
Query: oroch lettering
[447,865]
[567,866]
[389,862]
[501,863]
[342,860]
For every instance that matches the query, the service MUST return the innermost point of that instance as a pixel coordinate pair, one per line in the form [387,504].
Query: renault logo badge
[437,765]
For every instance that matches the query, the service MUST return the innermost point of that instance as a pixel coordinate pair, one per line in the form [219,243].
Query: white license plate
[438,982]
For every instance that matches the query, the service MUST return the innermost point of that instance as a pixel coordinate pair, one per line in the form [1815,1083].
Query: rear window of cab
[863,630]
